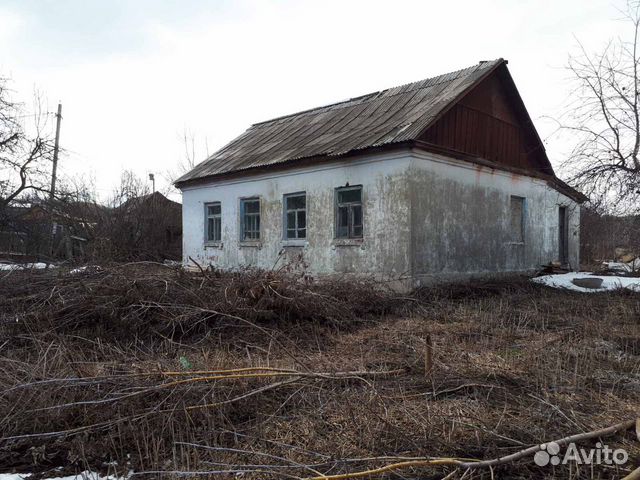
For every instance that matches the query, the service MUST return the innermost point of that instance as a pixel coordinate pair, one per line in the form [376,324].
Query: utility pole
[56,148]
[52,191]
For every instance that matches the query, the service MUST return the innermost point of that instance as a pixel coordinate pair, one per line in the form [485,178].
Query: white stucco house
[438,179]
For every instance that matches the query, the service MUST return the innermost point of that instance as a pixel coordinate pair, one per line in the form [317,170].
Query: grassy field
[274,375]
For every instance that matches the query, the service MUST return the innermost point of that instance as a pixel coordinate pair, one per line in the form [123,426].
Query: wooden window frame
[216,216]
[285,217]
[350,206]
[256,232]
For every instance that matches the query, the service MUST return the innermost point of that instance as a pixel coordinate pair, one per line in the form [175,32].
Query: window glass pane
[342,228]
[357,215]
[357,231]
[350,196]
[302,219]
[210,227]
[247,227]
[291,233]
[343,216]
[252,206]
[296,202]
[217,229]
[214,209]
[302,233]
[291,220]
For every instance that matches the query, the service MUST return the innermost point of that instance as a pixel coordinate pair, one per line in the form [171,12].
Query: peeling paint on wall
[424,216]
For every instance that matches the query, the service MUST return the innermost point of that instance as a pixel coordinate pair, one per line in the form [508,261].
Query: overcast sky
[133,75]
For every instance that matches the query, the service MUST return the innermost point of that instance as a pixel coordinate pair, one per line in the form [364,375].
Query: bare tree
[604,118]
[137,225]
[25,153]
[193,154]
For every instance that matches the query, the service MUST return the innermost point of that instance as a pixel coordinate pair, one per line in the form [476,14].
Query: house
[435,180]
[146,227]
[33,228]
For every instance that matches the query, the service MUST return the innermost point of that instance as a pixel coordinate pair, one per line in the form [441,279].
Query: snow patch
[623,267]
[86,475]
[24,266]
[609,283]
[86,269]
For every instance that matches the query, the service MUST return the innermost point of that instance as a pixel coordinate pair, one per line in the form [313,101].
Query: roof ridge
[375,94]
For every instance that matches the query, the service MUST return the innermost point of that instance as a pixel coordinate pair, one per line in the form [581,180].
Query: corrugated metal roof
[389,116]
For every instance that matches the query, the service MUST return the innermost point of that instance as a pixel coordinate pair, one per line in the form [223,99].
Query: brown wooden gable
[491,122]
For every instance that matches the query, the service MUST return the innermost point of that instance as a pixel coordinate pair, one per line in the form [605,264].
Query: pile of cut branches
[271,375]
[138,300]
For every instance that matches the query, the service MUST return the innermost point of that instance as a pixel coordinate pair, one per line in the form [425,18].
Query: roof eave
[293,163]
[551,180]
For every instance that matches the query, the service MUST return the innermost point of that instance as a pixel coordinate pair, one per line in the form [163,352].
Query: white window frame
[215,216]
[243,215]
[285,217]
[349,205]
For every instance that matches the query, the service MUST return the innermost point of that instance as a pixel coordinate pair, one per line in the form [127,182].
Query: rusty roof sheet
[389,116]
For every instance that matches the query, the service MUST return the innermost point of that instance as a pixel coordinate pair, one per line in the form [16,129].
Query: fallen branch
[635,475]
[269,372]
[603,432]
[465,464]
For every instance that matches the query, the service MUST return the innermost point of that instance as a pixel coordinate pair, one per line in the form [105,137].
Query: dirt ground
[274,375]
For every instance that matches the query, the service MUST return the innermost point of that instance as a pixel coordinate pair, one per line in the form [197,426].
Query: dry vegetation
[270,375]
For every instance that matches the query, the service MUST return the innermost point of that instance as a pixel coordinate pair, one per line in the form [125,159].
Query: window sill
[250,244]
[294,243]
[218,245]
[347,242]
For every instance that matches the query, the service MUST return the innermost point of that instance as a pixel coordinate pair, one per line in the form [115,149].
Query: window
[250,219]
[349,212]
[214,222]
[517,210]
[295,216]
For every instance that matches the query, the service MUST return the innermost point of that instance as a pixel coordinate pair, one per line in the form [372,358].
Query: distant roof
[144,200]
[381,118]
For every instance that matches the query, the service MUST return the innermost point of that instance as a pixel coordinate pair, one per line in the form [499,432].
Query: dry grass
[515,364]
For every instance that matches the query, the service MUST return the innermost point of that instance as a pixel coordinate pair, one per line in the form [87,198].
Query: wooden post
[428,356]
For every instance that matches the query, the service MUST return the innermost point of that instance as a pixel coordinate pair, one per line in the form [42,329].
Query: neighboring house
[47,229]
[438,179]
[147,227]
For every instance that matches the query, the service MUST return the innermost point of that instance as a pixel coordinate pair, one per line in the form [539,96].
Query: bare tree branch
[604,120]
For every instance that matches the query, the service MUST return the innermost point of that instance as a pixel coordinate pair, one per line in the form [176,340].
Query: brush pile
[271,375]
[138,301]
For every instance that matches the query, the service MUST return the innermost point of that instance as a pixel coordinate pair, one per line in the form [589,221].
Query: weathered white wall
[461,214]
[425,216]
[383,251]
